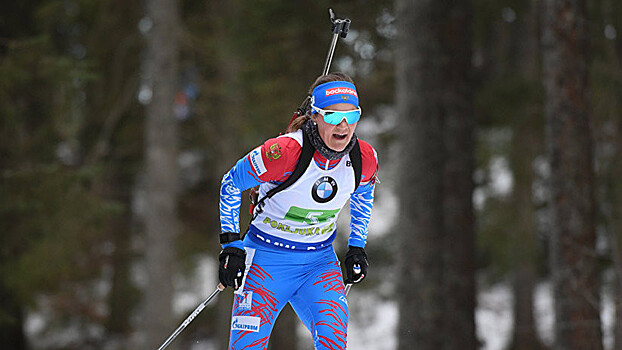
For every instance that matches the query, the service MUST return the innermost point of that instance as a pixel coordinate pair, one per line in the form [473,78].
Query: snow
[493,317]
[373,318]
[192,290]
[371,328]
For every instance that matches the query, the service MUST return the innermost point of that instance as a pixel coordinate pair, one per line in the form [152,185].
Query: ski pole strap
[228,237]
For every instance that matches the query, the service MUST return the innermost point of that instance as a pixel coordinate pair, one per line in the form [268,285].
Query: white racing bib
[306,212]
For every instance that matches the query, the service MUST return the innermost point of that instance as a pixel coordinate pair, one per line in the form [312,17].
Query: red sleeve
[280,156]
[369,159]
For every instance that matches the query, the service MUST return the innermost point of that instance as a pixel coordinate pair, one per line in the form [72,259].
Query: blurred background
[497,223]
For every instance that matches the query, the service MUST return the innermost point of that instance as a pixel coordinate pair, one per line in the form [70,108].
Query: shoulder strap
[303,163]
[357,163]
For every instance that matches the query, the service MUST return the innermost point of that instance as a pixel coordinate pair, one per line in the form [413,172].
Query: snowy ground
[373,319]
[493,320]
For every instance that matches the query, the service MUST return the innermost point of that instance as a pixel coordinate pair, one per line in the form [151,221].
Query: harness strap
[357,163]
[303,163]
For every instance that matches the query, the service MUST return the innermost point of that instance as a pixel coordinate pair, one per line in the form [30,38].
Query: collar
[310,128]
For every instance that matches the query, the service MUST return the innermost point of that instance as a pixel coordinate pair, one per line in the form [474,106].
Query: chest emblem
[274,152]
[324,189]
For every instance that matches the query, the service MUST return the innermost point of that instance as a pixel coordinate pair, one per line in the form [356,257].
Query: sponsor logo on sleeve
[257,161]
[245,323]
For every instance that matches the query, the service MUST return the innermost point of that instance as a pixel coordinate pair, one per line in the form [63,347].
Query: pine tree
[436,268]
[161,173]
[569,140]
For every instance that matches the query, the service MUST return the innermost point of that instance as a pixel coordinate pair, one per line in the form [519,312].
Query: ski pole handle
[194,314]
[356,269]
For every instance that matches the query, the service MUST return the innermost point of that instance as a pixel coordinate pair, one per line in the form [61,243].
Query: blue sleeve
[361,203]
[241,177]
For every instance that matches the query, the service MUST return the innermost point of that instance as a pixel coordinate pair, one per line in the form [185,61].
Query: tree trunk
[11,320]
[570,150]
[526,146]
[123,294]
[119,302]
[616,237]
[161,225]
[459,123]
[617,214]
[617,287]
[418,100]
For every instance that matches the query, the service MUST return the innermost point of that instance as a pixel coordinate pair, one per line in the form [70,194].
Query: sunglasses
[335,117]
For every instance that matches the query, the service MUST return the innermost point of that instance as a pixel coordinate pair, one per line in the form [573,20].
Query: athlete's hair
[335,76]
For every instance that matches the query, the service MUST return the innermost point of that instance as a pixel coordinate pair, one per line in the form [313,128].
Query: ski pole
[357,269]
[348,286]
[194,314]
[339,28]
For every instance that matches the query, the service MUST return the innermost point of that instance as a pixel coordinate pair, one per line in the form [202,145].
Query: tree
[115,144]
[570,150]
[51,209]
[434,104]
[418,91]
[606,94]
[161,148]
[458,216]
[616,236]
[526,146]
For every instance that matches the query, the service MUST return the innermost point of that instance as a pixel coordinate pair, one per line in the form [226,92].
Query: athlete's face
[336,137]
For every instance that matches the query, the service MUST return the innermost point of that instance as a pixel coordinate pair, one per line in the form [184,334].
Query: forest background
[498,128]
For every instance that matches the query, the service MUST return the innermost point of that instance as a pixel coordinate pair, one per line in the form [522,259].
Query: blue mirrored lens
[335,118]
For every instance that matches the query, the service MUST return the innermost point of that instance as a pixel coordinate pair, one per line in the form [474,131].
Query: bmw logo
[324,189]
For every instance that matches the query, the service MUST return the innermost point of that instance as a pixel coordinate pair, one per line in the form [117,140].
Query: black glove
[232,266]
[356,257]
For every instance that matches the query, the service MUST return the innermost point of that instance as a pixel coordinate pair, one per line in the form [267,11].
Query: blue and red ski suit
[290,257]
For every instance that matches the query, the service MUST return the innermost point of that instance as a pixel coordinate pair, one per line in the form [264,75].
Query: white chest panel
[307,211]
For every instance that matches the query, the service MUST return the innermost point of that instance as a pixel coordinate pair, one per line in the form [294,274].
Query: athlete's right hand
[232,266]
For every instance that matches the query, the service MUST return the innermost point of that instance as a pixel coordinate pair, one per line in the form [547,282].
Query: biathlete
[287,253]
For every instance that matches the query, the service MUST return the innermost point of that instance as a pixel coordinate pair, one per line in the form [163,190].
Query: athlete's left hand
[356,265]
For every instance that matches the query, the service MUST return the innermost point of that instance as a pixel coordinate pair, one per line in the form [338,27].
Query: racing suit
[289,253]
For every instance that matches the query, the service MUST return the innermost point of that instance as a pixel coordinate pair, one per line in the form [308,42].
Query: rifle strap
[303,163]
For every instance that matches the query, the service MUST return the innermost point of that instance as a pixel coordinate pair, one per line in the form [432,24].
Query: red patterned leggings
[310,281]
